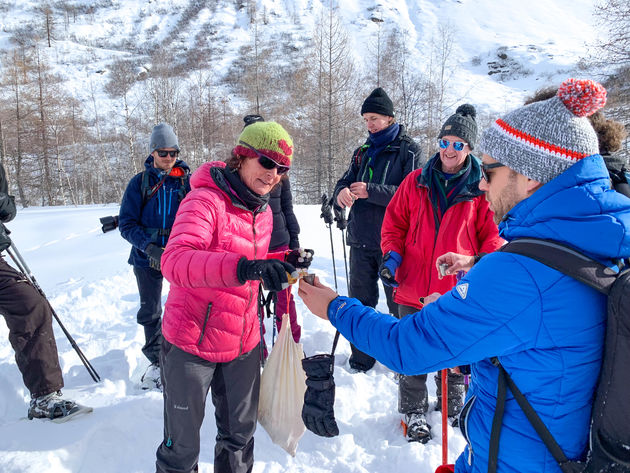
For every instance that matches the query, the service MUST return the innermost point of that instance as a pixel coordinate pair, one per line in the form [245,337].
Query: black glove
[154,253]
[5,241]
[272,272]
[326,210]
[340,217]
[300,258]
[319,399]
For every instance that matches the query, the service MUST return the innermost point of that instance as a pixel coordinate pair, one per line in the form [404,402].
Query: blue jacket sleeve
[130,215]
[485,315]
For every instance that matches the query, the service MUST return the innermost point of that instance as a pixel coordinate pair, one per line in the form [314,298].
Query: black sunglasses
[163,154]
[485,167]
[266,161]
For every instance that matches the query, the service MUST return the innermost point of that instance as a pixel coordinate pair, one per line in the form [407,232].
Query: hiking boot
[51,406]
[417,428]
[151,379]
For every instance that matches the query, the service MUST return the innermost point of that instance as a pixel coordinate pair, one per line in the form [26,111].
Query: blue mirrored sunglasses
[457,145]
[266,161]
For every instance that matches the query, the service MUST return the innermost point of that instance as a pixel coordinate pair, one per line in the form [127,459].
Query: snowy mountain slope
[542,41]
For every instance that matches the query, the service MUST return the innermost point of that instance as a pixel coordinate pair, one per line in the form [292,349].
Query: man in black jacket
[375,172]
[29,319]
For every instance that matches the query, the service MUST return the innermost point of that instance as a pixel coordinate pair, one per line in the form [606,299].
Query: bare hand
[359,189]
[431,298]
[455,261]
[317,297]
[345,198]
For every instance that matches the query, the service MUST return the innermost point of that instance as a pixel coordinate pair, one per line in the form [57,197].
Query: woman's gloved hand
[301,258]
[273,273]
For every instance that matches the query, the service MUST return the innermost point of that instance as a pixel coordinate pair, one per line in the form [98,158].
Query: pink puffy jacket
[209,313]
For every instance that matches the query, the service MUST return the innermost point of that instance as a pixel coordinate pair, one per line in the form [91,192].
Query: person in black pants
[29,319]
[147,213]
[376,170]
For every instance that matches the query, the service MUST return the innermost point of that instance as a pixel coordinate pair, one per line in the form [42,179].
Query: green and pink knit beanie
[543,139]
[269,138]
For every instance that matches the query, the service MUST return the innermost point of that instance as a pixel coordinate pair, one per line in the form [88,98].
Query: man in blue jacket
[147,213]
[544,179]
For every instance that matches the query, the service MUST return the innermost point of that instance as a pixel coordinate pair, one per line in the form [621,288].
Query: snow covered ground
[92,288]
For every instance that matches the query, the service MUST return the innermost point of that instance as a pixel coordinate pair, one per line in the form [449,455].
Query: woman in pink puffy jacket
[215,261]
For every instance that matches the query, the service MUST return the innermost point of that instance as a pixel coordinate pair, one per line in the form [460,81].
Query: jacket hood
[578,208]
[210,174]
[148,164]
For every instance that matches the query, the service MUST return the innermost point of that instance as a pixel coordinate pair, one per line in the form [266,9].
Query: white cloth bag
[282,387]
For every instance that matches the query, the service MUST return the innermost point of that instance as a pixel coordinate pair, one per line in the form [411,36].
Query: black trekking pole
[328,220]
[24,269]
[342,223]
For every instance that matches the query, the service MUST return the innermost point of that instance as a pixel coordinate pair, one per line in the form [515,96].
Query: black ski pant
[29,319]
[235,388]
[412,390]
[149,315]
[363,285]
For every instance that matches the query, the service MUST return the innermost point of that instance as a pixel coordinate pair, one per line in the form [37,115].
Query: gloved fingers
[316,425]
[386,277]
[274,278]
[331,426]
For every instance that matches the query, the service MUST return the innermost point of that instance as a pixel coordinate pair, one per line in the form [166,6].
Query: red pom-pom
[583,97]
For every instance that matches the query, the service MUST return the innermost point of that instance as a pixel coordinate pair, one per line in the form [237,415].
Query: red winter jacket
[209,313]
[409,228]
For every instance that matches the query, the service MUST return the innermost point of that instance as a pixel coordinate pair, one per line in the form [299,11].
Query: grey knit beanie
[162,137]
[462,124]
[543,139]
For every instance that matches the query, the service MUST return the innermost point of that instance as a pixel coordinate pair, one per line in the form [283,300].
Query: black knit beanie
[378,102]
[462,124]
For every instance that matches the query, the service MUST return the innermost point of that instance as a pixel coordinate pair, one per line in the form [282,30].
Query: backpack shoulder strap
[149,191]
[566,260]
[505,380]
[145,188]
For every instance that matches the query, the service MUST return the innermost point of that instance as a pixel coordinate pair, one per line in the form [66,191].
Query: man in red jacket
[435,210]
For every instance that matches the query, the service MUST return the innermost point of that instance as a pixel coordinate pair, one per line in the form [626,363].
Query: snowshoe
[416,428]
[52,406]
[151,379]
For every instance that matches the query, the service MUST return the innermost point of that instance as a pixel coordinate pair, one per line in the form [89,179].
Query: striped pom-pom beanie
[543,139]
[269,138]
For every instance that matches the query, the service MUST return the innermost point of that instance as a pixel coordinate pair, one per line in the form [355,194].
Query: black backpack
[609,449]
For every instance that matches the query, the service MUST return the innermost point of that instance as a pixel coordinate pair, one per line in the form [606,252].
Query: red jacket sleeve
[396,221]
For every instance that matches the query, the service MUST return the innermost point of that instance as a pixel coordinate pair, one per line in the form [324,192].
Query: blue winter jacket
[546,328]
[151,223]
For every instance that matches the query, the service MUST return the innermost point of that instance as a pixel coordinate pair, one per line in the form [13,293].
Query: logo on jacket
[462,289]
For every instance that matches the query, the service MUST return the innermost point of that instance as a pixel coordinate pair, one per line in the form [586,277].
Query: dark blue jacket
[383,174]
[286,228]
[546,328]
[141,224]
